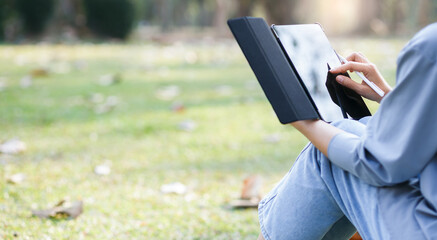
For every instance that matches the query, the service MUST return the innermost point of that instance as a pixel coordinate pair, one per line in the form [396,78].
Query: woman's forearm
[318,132]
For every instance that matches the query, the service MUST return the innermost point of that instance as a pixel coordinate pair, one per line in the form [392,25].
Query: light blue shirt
[400,140]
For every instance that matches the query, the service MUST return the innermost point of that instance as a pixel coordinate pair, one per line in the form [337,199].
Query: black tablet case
[272,69]
[278,79]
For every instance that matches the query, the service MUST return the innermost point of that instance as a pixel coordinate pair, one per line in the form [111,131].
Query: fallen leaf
[21,60]
[12,146]
[102,170]
[250,193]
[244,203]
[176,188]
[61,210]
[110,103]
[80,65]
[191,57]
[187,125]
[26,81]
[3,83]
[110,79]
[97,98]
[177,107]
[61,67]
[16,178]
[224,90]
[168,93]
[39,72]
[251,187]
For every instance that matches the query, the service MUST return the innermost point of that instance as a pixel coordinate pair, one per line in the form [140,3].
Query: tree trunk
[166,12]
[280,11]
[245,7]
[370,13]
[220,16]
[181,13]
[203,13]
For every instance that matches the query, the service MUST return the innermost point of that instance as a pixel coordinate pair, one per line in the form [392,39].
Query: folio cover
[272,69]
[347,99]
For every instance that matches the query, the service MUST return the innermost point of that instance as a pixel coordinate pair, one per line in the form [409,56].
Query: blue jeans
[318,200]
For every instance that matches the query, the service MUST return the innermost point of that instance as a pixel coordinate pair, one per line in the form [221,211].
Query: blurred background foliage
[102,19]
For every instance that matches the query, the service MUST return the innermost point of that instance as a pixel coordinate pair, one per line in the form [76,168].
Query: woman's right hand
[358,62]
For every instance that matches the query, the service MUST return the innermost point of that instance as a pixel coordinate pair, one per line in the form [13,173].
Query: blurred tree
[181,16]
[280,11]
[68,18]
[369,17]
[110,18]
[245,7]
[221,14]
[35,14]
[203,13]
[166,12]
[2,19]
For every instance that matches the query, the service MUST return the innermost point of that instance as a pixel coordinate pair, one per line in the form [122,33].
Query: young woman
[377,175]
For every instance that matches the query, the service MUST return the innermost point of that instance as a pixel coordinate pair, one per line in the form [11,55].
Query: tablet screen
[310,51]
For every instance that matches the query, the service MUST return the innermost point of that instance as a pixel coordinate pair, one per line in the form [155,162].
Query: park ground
[148,115]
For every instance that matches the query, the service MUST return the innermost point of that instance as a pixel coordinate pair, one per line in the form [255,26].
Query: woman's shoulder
[424,42]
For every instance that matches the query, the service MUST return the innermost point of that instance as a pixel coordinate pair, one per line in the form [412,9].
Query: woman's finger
[357,57]
[349,83]
[352,66]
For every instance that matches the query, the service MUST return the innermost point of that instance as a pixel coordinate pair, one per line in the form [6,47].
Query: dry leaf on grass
[102,170]
[3,83]
[187,125]
[62,210]
[176,188]
[80,65]
[244,203]
[16,178]
[178,107]
[39,72]
[224,90]
[61,67]
[107,106]
[250,193]
[168,93]
[13,146]
[251,187]
[191,57]
[26,81]
[110,79]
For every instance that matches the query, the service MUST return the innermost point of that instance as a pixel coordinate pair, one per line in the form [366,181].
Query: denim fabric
[318,200]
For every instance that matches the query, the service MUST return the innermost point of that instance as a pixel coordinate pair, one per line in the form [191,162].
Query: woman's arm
[318,132]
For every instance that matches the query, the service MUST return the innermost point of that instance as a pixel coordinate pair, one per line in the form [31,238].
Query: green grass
[140,140]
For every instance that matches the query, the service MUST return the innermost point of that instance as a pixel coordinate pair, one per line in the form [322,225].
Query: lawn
[151,114]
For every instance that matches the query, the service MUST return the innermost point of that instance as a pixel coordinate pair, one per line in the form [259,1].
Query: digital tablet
[291,64]
[309,53]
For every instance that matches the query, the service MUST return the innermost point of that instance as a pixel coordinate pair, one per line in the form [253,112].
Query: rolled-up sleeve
[401,138]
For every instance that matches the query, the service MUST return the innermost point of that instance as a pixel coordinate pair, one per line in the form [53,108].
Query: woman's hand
[358,62]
